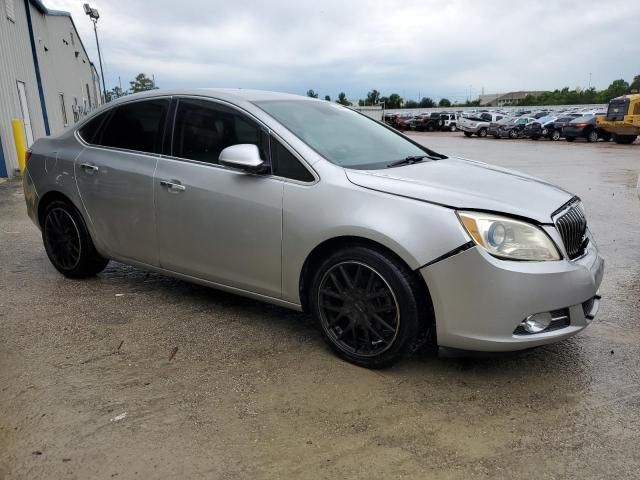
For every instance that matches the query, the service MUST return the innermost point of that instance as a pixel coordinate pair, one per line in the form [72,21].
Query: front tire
[467,134]
[555,136]
[67,242]
[369,306]
[570,139]
[592,136]
[482,132]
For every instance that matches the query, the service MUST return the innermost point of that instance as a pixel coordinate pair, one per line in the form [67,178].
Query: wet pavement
[92,386]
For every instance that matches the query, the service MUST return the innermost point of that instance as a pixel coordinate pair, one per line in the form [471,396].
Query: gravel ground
[92,386]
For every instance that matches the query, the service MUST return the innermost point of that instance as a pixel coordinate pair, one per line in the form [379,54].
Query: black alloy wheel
[68,243]
[358,309]
[369,307]
[62,238]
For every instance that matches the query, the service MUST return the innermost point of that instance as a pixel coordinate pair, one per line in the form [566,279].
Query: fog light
[537,323]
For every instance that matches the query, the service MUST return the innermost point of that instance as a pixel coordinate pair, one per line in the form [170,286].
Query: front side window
[203,129]
[135,126]
[340,135]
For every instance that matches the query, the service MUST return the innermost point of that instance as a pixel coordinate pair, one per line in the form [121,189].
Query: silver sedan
[313,206]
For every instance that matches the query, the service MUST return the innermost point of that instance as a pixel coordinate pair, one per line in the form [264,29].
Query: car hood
[467,184]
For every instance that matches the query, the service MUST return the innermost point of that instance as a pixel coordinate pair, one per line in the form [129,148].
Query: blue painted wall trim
[36,66]
[3,166]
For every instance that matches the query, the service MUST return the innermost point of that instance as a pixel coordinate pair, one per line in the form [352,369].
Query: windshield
[340,135]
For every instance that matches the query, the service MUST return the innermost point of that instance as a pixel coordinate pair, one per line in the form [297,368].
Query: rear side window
[286,165]
[135,126]
[203,129]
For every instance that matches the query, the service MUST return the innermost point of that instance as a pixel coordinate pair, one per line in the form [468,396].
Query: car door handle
[173,186]
[88,167]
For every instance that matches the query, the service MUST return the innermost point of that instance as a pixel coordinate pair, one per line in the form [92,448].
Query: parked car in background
[478,123]
[430,122]
[403,121]
[449,121]
[585,127]
[222,187]
[554,129]
[494,126]
[512,129]
[539,127]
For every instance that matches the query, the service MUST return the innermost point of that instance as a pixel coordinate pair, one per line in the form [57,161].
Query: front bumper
[467,128]
[480,300]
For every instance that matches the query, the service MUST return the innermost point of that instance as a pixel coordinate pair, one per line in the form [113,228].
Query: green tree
[444,102]
[616,89]
[426,102]
[115,92]
[411,104]
[142,83]
[312,94]
[342,99]
[373,97]
[327,98]
[635,85]
[392,101]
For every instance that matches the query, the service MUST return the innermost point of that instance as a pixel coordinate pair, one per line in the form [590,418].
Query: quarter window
[134,126]
[286,165]
[203,129]
[89,130]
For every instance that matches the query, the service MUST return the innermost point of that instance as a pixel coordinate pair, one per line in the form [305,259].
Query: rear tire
[369,306]
[593,136]
[67,242]
[453,127]
[570,139]
[625,139]
[535,137]
[555,136]
[513,134]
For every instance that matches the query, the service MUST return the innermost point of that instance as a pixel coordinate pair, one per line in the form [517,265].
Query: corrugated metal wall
[16,64]
[64,68]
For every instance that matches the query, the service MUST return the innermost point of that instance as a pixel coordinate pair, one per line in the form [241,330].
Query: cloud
[427,48]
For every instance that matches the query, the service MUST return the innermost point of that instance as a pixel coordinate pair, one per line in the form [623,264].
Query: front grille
[572,226]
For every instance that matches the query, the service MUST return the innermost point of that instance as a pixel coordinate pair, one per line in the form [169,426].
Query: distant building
[46,77]
[503,99]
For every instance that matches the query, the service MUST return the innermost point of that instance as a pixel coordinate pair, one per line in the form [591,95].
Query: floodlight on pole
[94,16]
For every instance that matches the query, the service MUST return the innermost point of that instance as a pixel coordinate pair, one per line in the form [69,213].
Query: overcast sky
[416,48]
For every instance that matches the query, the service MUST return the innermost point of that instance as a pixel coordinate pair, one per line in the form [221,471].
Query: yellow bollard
[18,137]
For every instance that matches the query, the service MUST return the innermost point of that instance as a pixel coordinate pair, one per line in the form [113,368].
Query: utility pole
[589,80]
[94,16]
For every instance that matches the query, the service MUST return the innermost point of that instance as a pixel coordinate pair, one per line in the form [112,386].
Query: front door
[216,223]
[26,118]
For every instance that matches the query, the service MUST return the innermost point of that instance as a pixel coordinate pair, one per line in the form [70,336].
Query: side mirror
[243,156]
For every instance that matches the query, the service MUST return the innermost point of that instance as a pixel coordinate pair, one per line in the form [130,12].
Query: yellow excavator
[622,119]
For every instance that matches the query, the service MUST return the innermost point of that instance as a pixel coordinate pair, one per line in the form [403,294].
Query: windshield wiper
[409,160]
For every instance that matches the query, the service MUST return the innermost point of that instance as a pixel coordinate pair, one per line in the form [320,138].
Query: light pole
[94,16]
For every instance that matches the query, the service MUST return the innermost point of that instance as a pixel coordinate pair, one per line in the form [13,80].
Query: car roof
[229,94]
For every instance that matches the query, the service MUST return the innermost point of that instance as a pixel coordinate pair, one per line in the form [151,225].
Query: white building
[46,77]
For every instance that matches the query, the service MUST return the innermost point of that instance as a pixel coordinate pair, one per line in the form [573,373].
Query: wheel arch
[47,198]
[344,241]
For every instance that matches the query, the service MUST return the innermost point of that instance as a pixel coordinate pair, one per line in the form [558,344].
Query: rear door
[115,178]
[216,223]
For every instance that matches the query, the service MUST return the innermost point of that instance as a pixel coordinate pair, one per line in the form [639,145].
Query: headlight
[508,238]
